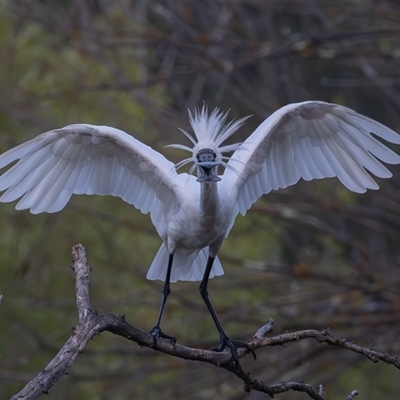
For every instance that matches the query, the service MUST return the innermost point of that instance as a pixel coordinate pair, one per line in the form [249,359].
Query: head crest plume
[210,131]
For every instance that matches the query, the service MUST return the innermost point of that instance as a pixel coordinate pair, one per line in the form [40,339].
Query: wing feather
[87,159]
[304,170]
[272,181]
[309,140]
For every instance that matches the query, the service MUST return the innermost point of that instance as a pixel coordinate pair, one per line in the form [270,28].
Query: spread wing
[87,159]
[309,140]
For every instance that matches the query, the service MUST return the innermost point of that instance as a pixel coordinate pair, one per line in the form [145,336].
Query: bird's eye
[206,155]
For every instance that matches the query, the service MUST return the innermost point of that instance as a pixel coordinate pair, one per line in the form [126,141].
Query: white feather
[309,140]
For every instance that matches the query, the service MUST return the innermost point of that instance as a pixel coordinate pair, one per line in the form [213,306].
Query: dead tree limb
[91,324]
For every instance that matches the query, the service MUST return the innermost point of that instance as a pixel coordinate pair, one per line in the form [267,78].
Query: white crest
[210,131]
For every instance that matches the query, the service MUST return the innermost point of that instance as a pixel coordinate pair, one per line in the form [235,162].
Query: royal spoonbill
[193,216]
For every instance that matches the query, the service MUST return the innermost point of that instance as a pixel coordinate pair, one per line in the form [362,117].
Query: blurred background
[310,256]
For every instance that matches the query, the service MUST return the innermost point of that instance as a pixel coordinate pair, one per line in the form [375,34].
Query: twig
[351,395]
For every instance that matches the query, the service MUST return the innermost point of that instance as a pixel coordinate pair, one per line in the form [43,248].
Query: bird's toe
[234,345]
[157,333]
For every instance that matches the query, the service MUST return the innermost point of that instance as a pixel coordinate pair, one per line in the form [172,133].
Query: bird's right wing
[309,140]
[87,159]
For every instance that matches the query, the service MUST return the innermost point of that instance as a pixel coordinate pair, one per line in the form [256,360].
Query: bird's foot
[234,345]
[156,332]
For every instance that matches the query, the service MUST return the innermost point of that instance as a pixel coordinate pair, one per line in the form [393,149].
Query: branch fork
[90,324]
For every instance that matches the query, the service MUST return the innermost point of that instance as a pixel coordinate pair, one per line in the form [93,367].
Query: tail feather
[184,267]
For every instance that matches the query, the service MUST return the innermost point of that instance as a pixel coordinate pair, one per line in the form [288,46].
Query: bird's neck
[209,200]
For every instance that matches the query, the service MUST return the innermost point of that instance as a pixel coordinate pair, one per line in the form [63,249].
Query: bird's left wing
[87,159]
[309,140]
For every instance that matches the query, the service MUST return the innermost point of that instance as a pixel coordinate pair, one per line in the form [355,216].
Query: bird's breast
[196,225]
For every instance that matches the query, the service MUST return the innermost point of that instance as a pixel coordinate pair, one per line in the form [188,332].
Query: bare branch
[91,324]
[82,271]
[325,337]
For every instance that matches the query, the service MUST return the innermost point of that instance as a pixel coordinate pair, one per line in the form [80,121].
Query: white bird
[309,140]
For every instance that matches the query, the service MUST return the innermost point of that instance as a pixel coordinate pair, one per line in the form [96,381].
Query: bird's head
[207,165]
[210,131]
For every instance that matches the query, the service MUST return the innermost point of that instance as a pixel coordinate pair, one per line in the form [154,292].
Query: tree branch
[91,323]
[324,337]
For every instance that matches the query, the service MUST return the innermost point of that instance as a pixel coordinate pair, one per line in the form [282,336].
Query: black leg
[233,345]
[156,331]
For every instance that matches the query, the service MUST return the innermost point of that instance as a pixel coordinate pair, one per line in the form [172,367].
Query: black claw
[234,345]
[156,332]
